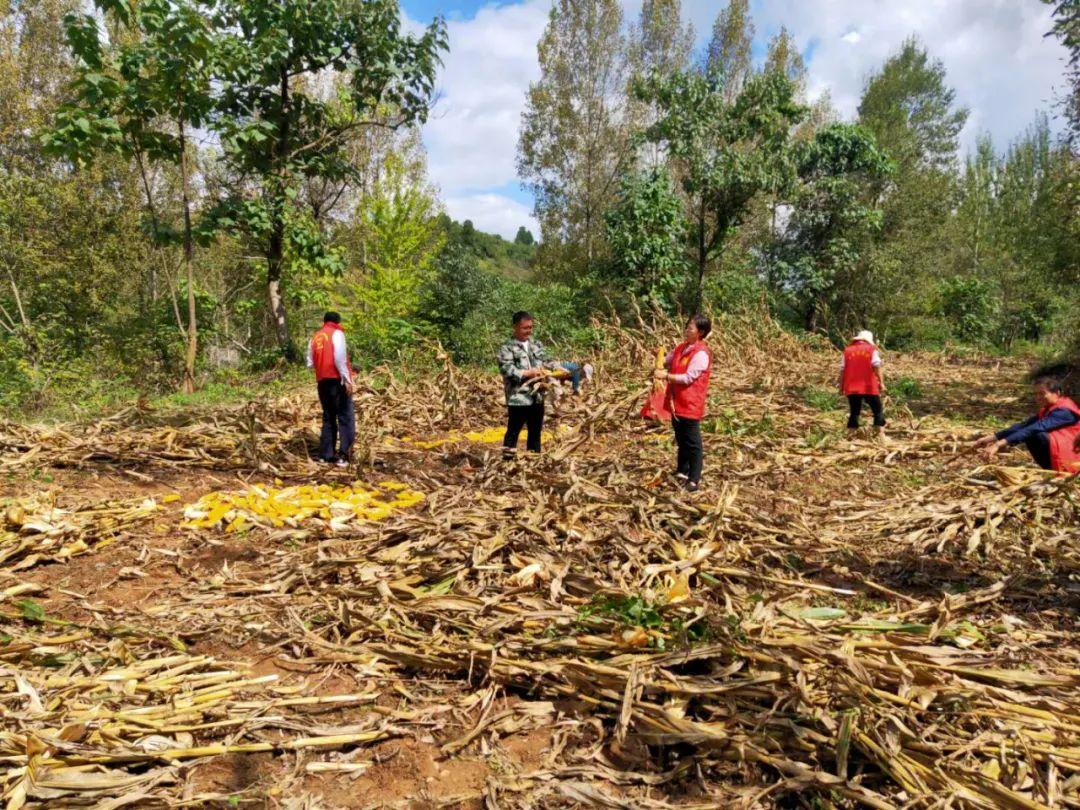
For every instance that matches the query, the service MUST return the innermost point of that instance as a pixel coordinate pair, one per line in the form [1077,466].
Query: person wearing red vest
[861,380]
[328,356]
[687,371]
[1052,435]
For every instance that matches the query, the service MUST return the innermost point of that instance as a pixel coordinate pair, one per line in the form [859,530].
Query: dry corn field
[194,614]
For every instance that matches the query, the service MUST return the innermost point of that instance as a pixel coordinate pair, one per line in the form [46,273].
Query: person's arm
[341,358]
[310,356]
[840,377]
[1055,420]
[699,364]
[876,364]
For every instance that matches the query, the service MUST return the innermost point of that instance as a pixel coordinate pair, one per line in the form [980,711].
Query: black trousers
[691,454]
[855,402]
[527,416]
[338,419]
[1039,447]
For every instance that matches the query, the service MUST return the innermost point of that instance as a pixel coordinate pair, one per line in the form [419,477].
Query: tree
[725,153]
[832,215]
[574,141]
[727,56]
[660,42]
[277,130]
[783,57]
[524,237]
[647,232]
[1067,29]
[910,110]
[142,98]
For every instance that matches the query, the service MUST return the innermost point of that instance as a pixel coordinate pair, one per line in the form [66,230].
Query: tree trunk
[275,254]
[189,269]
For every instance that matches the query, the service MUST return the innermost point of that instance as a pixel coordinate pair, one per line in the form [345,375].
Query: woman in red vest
[329,356]
[861,381]
[1052,435]
[687,373]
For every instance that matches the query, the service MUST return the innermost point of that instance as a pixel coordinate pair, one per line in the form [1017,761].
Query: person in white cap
[861,380]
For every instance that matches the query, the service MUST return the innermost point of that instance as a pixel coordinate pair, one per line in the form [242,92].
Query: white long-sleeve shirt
[341,356]
[875,360]
[699,364]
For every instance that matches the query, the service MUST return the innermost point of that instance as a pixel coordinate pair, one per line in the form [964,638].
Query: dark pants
[1039,447]
[691,455]
[519,416]
[338,420]
[855,402]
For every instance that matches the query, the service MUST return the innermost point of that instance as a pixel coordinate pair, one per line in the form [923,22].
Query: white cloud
[471,135]
[852,37]
[492,213]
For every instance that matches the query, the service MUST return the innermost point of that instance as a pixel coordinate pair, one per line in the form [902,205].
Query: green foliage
[968,304]
[730,422]
[832,219]
[727,151]
[904,389]
[822,399]
[646,230]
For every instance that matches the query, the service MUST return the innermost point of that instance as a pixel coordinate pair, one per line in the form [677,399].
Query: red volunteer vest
[688,401]
[859,376]
[1063,456]
[322,352]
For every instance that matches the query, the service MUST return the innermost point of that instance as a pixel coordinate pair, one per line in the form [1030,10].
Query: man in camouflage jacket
[521,359]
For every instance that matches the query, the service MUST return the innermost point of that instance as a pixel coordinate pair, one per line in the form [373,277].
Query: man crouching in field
[1052,435]
[522,359]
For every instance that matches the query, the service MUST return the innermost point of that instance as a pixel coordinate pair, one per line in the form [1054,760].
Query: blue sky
[997,59]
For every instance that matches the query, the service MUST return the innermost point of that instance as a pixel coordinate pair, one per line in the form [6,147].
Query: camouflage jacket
[513,360]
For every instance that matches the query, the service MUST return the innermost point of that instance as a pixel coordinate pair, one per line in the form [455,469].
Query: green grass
[904,389]
[730,423]
[822,399]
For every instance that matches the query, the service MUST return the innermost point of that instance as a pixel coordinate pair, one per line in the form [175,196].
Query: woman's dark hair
[331,317]
[703,324]
[1051,384]
[519,316]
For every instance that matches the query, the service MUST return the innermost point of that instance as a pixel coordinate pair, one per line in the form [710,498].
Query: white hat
[866,335]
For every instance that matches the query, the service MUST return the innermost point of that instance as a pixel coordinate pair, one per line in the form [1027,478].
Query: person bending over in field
[686,371]
[328,355]
[521,360]
[861,381]
[1052,435]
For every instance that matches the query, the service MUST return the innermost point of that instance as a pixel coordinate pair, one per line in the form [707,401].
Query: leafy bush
[968,304]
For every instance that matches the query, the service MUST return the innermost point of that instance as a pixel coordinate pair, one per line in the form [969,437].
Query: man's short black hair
[331,317]
[703,324]
[519,316]
[1051,384]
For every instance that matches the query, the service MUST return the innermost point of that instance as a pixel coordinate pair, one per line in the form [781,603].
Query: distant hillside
[495,254]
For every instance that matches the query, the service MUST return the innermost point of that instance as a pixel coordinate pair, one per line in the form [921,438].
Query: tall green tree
[783,57]
[278,130]
[1066,29]
[728,54]
[833,213]
[725,153]
[647,232]
[912,113]
[575,131]
[142,94]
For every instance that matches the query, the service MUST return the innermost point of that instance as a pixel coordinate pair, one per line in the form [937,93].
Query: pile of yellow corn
[492,435]
[290,506]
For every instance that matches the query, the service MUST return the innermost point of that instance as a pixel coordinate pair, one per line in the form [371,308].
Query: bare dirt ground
[832,622]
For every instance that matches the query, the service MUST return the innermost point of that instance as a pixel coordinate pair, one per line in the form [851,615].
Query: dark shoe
[692,486]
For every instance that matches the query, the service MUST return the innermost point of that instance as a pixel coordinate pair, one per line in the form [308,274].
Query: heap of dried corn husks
[336,506]
[35,528]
